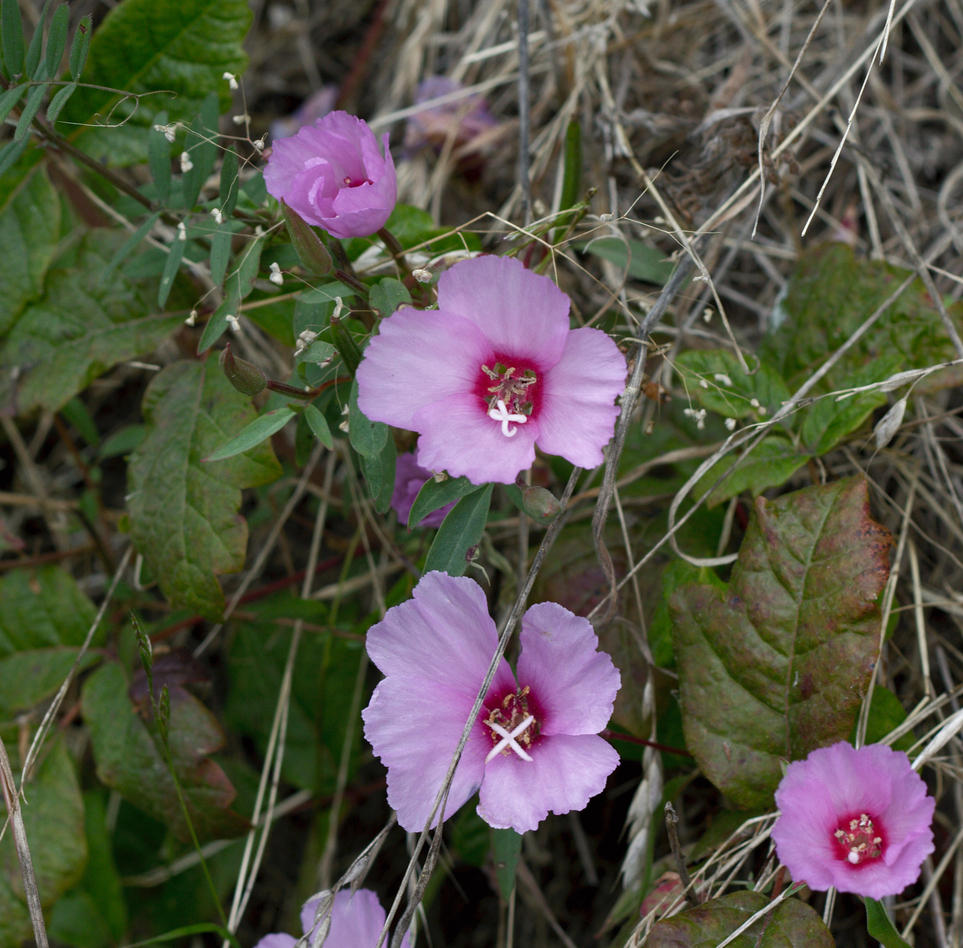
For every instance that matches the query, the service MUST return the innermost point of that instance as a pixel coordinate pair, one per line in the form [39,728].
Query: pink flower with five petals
[492,372]
[857,820]
[534,746]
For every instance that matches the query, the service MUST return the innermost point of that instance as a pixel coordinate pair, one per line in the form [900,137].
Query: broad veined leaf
[184,513]
[704,926]
[54,823]
[78,328]
[461,530]
[777,663]
[156,55]
[130,757]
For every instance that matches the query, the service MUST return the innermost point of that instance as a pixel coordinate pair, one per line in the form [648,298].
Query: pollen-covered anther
[859,839]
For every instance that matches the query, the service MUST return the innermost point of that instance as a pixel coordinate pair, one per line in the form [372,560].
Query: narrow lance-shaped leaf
[461,530]
[777,663]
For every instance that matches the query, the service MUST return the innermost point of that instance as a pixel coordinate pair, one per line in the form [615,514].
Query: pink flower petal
[277,940]
[414,731]
[418,359]
[522,313]
[356,919]
[457,436]
[575,683]
[564,774]
[578,411]
[443,635]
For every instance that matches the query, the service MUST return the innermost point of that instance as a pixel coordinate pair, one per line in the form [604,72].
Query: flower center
[514,729]
[860,841]
[509,391]
[350,182]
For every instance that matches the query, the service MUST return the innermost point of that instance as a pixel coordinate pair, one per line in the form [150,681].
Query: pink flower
[858,820]
[356,922]
[492,372]
[333,174]
[534,747]
[410,477]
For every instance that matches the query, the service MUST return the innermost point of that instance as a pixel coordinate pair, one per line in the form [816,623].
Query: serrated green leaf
[367,437]
[461,530]
[387,295]
[777,663]
[506,850]
[54,823]
[11,37]
[379,474]
[77,329]
[184,513]
[769,463]
[704,926]
[29,228]
[437,494]
[130,760]
[253,434]
[641,261]
[158,54]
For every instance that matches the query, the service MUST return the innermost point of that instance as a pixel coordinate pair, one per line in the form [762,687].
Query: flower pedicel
[492,372]
[534,746]
[333,174]
[857,820]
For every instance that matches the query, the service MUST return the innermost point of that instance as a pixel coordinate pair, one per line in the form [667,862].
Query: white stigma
[502,414]
[509,739]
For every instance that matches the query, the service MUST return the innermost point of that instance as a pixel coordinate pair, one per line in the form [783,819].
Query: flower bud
[540,504]
[246,377]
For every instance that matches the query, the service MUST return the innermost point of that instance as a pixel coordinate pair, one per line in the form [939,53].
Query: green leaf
[367,437]
[886,713]
[77,329]
[57,39]
[184,513]
[639,260]
[157,55]
[175,254]
[379,473]
[704,926]
[32,60]
[130,760]
[437,494]
[29,229]
[253,434]
[127,247]
[319,425]
[11,37]
[327,293]
[9,99]
[159,159]
[59,100]
[10,154]
[880,927]
[312,253]
[717,380]
[461,530]
[506,849]
[30,108]
[80,46]
[387,295]
[769,463]
[54,823]
[217,324]
[777,663]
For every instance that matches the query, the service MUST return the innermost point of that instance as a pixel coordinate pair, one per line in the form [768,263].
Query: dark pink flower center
[509,390]
[350,182]
[514,724]
[860,839]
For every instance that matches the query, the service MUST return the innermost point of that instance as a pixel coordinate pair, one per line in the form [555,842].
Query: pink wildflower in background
[534,747]
[334,175]
[410,477]
[857,820]
[492,372]
[356,922]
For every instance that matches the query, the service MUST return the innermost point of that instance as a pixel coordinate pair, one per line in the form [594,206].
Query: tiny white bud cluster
[186,163]
[192,319]
[259,144]
[231,80]
[754,403]
[276,277]
[168,131]
[181,231]
[305,337]
[730,424]
[233,322]
[421,275]
[723,379]
[698,415]
[241,119]
[218,215]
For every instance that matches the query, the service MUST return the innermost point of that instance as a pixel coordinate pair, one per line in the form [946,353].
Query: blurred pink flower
[858,820]
[356,922]
[334,175]
[493,371]
[534,747]
[410,477]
